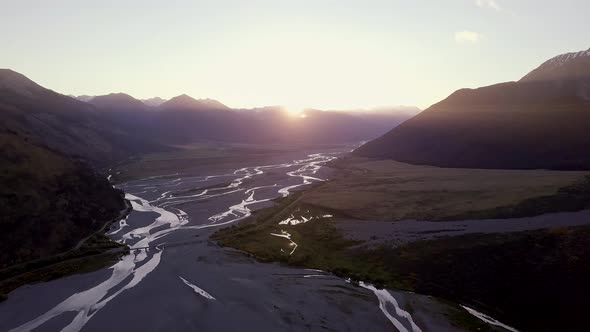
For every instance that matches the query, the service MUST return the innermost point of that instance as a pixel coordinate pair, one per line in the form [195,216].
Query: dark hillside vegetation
[535,281]
[48,202]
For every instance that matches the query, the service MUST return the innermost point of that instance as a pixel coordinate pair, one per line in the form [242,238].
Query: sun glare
[296,112]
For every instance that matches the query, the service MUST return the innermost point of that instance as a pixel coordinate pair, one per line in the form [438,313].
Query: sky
[324,54]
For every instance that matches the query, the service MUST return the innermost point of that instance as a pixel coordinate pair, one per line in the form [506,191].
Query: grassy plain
[321,246]
[515,277]
[388,190]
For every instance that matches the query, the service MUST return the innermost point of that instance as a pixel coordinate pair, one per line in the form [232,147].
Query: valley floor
[387,190]
[356,226]
[189,202]
[175,279]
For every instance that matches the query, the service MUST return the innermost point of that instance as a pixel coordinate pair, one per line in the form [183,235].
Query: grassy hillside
[48,202]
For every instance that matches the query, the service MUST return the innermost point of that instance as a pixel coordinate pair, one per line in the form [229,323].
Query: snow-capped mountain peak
[572,65]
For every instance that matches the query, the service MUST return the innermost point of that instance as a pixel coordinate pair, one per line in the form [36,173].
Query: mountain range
[540,121]
[104,129]
[183,120]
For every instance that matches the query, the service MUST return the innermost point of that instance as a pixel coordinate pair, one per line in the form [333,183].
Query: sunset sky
[322,54]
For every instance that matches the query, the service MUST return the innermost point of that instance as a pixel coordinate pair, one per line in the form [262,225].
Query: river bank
[318,245]
[91,253]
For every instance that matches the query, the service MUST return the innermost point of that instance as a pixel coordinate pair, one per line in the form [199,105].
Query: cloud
[466,36]
[490,4]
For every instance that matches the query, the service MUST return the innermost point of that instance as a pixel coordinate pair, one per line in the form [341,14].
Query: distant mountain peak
[184,98]
[186,102]
[119,95]
[84,98]
[153,102]
[117,101]
[573,65]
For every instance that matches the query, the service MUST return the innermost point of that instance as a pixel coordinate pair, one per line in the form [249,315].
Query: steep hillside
[541,121]
[48,202]
[63,123]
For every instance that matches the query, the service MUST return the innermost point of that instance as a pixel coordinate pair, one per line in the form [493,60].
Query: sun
[296,112]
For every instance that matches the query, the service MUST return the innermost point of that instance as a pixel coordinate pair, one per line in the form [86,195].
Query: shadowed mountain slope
[541,121]
[63,123]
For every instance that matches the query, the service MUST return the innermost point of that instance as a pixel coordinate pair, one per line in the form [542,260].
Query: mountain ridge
[63,123]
